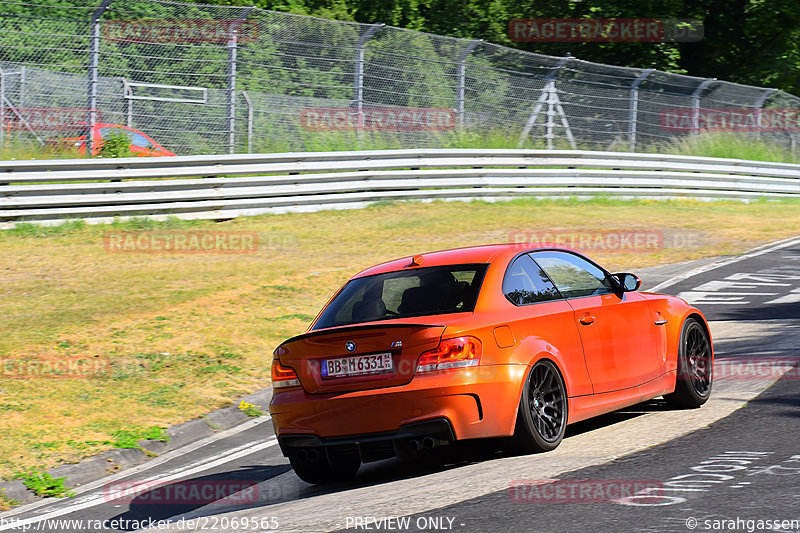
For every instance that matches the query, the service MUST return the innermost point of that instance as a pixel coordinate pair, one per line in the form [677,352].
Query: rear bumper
[373,446]
[476,402]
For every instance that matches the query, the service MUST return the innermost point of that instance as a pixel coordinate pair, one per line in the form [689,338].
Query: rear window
[405,293]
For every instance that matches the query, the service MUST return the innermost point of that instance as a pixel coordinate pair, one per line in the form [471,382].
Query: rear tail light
[283,376]
[451,353]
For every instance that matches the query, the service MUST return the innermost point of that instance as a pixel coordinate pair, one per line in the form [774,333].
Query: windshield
[418,292]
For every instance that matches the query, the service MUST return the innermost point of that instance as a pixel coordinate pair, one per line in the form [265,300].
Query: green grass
[250,410]
[729,145]
[23,150]
[129,438]
[43,484]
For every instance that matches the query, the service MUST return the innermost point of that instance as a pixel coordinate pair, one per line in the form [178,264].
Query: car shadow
[784,311]
[282,486]
[153,502]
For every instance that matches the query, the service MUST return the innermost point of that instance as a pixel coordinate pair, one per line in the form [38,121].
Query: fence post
[696,104]
[2,109]
[127,94]
[759,106]
[249,122]
[462,79]
[634,108]
[233,48]
[94,60]
[358,83]
[22,81]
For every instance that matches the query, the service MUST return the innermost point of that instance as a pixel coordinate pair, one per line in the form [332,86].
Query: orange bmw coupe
[486,341]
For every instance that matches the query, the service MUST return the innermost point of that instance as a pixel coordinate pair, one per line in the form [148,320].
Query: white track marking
[151,464]
[791,298]
[725,262]
[91,501]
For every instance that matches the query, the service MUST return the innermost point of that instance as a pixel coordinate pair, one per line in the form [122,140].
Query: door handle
[586,319]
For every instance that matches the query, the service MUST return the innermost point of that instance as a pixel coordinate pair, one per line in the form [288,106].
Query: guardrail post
[462,79]
[233,48]
[760,106]
[94,60]
[634,108]
[358,82]
[249,122]
[696,104]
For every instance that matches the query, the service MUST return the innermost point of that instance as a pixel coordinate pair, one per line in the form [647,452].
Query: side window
[105,132]
[525,283]
[573,276]
[136,139]
[141,141]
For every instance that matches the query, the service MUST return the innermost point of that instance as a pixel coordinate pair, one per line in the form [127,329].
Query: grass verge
[181,335]
[709,144]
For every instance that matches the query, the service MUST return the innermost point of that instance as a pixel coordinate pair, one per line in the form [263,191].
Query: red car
[487,341]
[141,145]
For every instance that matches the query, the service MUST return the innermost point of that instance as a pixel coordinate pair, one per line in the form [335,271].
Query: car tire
[320,466]
[542,413]
[695,368]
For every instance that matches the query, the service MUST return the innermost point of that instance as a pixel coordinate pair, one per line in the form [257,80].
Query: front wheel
[542,414]
[695,368]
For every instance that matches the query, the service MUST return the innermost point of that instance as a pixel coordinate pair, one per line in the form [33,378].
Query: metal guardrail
[226,186]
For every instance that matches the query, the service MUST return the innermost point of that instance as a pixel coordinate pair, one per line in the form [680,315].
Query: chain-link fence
[219,79]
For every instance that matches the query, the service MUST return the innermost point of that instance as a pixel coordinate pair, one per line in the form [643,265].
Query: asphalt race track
[642,469]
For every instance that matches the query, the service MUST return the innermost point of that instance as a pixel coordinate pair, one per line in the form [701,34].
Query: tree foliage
[746,41]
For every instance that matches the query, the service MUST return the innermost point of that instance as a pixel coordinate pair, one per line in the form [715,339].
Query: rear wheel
[695,368]
[542,414]
[320,466]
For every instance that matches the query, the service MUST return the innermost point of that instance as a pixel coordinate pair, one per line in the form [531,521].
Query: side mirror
[628,282]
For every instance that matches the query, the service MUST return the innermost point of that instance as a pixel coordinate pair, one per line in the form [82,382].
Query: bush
[117,143]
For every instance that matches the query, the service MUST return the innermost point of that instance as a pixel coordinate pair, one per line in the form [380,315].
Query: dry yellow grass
[187,334]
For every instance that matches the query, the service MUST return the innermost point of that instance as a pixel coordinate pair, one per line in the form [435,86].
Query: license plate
[358,365]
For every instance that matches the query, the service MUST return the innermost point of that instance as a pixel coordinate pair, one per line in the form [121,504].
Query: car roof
[456,256]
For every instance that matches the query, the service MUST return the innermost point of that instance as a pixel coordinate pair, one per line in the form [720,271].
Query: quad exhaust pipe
[430,443]
[414,445]
[426,443]
[309,455]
